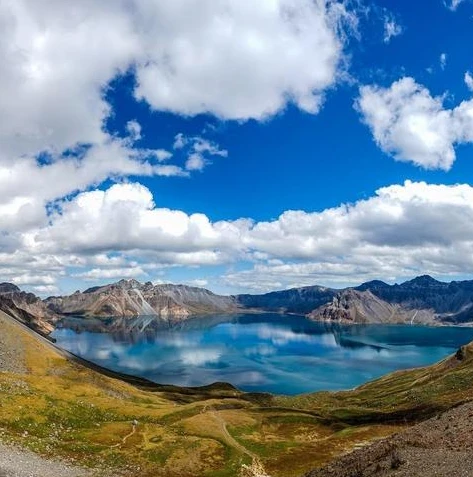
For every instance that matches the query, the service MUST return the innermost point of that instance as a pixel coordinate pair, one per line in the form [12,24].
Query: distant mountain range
[421,300]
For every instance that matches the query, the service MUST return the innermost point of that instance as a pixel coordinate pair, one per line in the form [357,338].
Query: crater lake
[274,353]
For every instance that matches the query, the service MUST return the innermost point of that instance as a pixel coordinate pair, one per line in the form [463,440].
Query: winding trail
[256,468]
[124,439]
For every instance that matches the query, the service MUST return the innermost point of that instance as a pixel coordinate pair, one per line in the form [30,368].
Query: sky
[236,145]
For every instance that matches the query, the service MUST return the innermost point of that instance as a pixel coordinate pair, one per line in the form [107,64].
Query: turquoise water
[270,353]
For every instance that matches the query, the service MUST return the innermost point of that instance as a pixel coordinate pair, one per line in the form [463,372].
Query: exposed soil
[440,446]
[11,350]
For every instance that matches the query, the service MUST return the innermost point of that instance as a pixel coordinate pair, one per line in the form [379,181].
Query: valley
[100,422]
[62,407]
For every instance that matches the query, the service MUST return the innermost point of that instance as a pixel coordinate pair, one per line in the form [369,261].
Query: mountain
[131,298]
[85,414]
[421,300]
[296,300]
[354,306]
[449,302]
[27,308]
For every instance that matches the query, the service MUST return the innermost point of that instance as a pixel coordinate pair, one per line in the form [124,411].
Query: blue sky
[235,146]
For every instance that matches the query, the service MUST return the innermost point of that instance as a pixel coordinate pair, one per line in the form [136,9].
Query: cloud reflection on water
[274,353]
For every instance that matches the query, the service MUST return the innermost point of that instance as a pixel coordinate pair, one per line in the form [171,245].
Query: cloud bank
[411,125]
[400,231]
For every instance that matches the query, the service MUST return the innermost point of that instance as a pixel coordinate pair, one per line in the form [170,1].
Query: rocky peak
[9,288]
[128,284]
[372,285]
[424,281]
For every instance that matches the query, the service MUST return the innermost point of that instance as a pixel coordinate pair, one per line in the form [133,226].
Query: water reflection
[274,353]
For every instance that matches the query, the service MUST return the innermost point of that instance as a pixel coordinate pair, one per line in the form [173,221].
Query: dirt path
[230,439]
[133,430]
[256,468]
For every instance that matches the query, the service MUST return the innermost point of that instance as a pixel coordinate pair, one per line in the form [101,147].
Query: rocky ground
[16,462]
[11,351]
[440,446]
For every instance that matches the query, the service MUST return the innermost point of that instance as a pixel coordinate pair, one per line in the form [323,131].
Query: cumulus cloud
[237,59]
[233,59]
[400,231]
[410,124]
[124,217]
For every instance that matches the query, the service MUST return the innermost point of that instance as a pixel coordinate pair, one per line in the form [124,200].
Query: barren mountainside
[131,298]
[353,306]
[26,308]
[421,300]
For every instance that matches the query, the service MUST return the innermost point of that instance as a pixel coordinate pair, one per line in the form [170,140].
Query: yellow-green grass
[63,409]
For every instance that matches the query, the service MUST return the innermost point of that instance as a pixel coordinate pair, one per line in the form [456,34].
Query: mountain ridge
[422,300]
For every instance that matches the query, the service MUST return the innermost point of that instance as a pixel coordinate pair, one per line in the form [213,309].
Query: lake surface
[268,352]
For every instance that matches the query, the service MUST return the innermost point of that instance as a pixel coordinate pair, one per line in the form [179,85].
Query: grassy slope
[62,408]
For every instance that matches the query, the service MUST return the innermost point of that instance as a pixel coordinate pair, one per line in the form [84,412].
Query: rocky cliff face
[354,306]
[131,298]
[449,302]
[27,308]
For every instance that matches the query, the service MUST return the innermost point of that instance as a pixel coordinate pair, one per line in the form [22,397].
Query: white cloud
[443,60]
[238,59]
[401,231]
[199,151]
[96,274]
[28,279]
[198,282]
[391,28]
[163,155]
[410,124]
[469,81]
[453,4]
[195,162]
[234,59]
[45,289]
[26,187]
[179,141]
[134,129]
[125,218]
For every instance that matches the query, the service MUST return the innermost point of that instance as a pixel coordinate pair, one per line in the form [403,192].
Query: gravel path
[11,350]
[16,462]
